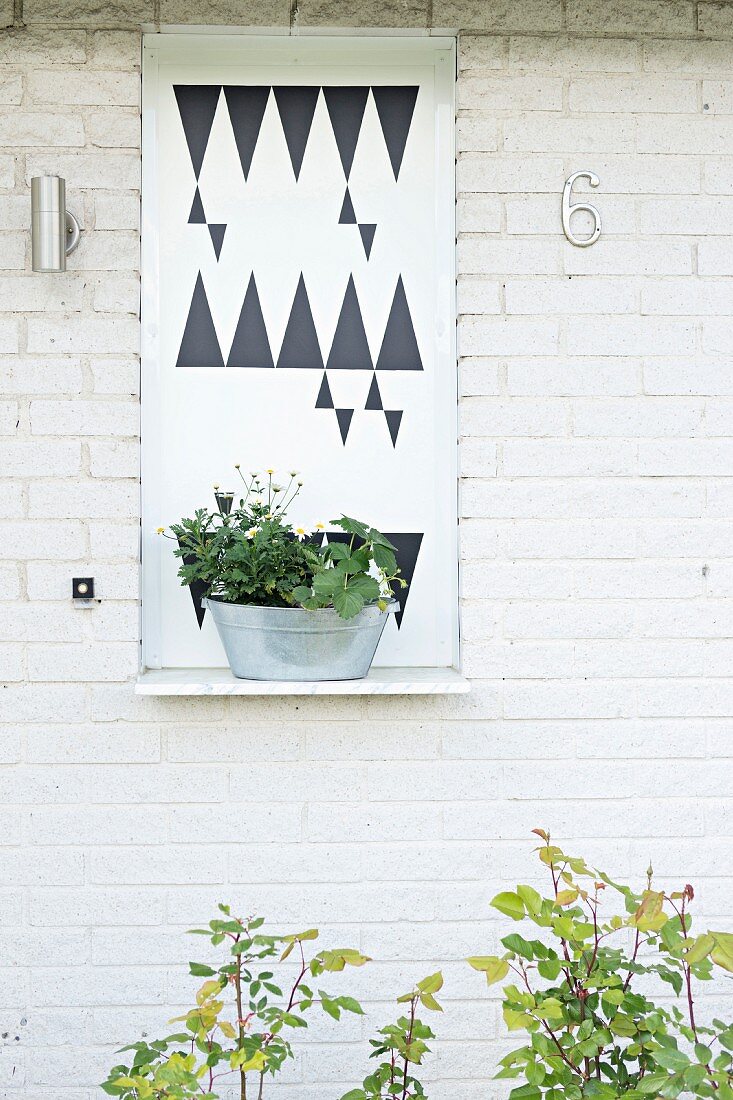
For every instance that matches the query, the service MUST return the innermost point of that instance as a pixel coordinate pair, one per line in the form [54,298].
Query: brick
[646,17]
[314,13]
[586,499]
[12,251]
[489,417]
[112,171]
[8,337]
[117,210]
[109,251]
[584,377]
[26,128]
[116,376]
[479,255]
[86,417]
[116,49]
[481,52]
[715,257]
[703,216]
[683,458]
[68,663]
[516,93]
[120,12]
[535,16]
[39,539]
[477,336]
[689,297]
[477,295]
[476,133]
[532,458]
[7,170]
[117,294]
[718,175]
[632,95]
[573,55]
[715,19]
[40,459]
[102,334]
[49,581]
[508,173]
[635,417]
[37,46]
[117,128]
[42,867]
[629,258]
[118,459]
[545,133]
[538,214]
[630,335]
[84,88]
[152,866]
[11,90]
[40,376]
[573,295]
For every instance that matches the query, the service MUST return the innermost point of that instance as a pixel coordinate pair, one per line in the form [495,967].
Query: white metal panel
[283,231]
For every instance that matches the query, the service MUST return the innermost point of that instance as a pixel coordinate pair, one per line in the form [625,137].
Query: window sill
[380,681]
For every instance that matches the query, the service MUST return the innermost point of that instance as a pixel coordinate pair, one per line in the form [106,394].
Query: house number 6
[569,208]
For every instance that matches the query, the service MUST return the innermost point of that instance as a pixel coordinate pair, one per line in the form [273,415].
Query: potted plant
[237,1030]
[584,991]
[289,603]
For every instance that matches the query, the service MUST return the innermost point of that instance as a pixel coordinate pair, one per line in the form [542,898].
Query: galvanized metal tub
[290,643]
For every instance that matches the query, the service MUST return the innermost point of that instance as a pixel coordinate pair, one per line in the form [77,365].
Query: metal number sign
[569,208]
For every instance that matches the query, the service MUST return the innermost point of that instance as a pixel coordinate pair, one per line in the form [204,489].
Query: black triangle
[393,423]
[300,346]
[216,232]
[374,397]
[200,345]
[399,346]
[324,399]
[344,418]
[346,111]
[395,107]
[198,590]
[246,110]
[350,349]
[347,215]
[408,548]
[197,216]
[367,237]
[251,347]
[197,107]
[297,106]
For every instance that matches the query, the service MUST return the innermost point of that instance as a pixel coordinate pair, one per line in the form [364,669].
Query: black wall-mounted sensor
[82,588]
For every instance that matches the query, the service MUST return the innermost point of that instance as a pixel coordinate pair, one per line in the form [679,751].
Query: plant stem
[413,1003]
[240,1024]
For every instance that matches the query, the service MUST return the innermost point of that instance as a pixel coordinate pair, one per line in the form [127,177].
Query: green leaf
[722,953]
[531,899]
[652,1082]
[549,969]
[493,967]
[510,904]
[348,603]
[700,949]
[671,1059]
[431,984]
[199,970]
[515,942]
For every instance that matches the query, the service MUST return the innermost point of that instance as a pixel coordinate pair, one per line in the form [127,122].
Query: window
[298,306]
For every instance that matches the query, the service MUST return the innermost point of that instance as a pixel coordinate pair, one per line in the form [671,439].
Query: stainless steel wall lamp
[54,231]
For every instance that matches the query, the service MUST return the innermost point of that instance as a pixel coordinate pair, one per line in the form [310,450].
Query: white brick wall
[596,537]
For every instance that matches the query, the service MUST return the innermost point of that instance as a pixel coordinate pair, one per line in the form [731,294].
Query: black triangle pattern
[197,106]
[216,232]
[200,345]
[394,419]
[300,347]
[197,590]
[197,216]
[395,107]
[324,399]
[374,397]
[367,231]
[246,110]
[344,420]
[296,106]
[347,215]
[246,104]
[346,111]
[350,349]
[399,347]
[251,347]
[408,545]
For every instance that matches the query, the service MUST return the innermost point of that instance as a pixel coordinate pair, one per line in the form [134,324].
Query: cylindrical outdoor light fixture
[54,232]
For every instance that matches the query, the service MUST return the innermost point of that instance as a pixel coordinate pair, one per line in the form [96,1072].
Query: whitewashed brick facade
[596,420]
